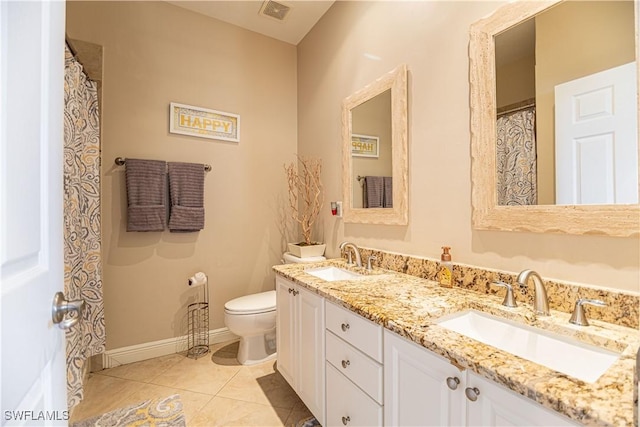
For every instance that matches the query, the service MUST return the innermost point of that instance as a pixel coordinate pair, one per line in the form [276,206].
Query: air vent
[274,10]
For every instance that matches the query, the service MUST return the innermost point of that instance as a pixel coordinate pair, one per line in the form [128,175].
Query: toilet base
[258,348]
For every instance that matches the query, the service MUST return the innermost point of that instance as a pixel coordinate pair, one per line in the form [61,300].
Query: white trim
[139,352]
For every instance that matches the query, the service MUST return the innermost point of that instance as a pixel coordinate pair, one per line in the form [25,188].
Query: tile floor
[215,389]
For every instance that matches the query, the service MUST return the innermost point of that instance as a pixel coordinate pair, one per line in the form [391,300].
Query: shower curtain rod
[519,106]
[120,161]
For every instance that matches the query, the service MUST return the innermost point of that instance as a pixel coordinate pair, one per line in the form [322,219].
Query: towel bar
[120,161]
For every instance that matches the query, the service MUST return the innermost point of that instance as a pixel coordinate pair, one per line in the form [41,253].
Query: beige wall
[156,53]
[607,28]
[372,118]
[432,39]
[516,81]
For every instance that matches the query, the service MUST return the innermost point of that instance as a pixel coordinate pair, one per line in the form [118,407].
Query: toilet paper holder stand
[198,320]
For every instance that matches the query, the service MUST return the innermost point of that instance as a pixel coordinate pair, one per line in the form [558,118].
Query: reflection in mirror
[374,152]
[371,153]
[566,115]
[553,212]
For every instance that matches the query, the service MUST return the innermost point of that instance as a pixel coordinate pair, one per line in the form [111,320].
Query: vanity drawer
[362,370]
[361,333]
[347,404]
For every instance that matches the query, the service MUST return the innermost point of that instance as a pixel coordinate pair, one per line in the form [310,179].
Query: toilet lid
[252,304]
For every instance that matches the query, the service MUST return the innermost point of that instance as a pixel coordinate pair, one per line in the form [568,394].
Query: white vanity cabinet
[354,369]
[422,388]
[300,341]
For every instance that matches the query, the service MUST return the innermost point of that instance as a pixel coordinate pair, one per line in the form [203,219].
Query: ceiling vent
[274,10]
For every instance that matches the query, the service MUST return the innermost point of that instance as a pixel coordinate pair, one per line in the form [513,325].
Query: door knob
[61,307]
[453,382]
[472,393]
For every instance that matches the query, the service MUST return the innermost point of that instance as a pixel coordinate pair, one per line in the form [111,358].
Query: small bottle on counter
[445,269]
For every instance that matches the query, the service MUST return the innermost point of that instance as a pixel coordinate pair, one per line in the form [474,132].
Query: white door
[285,329]
[498,406]
[420,388]
[597,138]
[31,247]
[309,350]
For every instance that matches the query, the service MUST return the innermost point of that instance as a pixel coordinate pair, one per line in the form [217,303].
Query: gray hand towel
[388,192]
[146,188]
[375,191]
[186,189]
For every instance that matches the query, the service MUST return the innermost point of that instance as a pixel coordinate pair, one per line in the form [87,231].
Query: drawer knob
[345,363]
[472,393]
[453,382]
[290,290]
[295,292]
[345,420]
[345,327]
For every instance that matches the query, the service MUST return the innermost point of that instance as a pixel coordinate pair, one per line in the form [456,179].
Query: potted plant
[306,196]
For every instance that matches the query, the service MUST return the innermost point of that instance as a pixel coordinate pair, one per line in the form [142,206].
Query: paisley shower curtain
[83,267]
[516,179]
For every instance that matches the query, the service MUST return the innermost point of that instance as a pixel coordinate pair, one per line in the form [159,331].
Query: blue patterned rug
[165,412]
[308,422]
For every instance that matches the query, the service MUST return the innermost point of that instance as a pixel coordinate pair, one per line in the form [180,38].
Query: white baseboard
[138,352]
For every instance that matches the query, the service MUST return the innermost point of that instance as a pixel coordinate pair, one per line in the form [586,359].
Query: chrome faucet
[541,301]
[348,247]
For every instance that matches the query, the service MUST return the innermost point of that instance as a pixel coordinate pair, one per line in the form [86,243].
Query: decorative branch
[305,193]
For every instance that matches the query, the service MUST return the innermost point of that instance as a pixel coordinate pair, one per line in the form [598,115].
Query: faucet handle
[371,257]
[509,299]
[578,317]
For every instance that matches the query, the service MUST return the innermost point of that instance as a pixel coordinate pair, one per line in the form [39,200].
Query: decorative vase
[302,250]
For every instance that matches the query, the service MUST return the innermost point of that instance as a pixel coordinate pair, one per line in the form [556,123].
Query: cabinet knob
[345,363]
[345,327]
[453,382]
[472,393]
[290,290]
[345,420]
[295,292]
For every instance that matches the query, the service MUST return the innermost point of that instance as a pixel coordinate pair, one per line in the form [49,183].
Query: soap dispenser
[445,269]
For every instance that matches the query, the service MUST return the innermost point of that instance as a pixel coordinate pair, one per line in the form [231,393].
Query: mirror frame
[396,80]
[611,220]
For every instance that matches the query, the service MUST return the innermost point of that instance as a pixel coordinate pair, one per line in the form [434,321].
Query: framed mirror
[374,152]
[525,189]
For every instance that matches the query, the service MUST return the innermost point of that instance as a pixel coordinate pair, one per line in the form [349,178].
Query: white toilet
[253,319]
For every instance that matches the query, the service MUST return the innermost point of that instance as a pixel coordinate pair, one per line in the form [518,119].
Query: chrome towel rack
[120,161]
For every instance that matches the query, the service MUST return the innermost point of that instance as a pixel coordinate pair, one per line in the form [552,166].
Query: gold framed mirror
[374,152]
[490,214]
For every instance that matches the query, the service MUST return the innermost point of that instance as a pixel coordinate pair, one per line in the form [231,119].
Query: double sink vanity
[378,347]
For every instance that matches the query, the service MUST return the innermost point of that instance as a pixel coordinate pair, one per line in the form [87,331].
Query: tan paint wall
[516,81]
[432,39]
[156,53]
[372,118]
[607,28]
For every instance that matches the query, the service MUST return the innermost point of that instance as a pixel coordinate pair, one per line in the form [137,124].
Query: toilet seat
[263,302]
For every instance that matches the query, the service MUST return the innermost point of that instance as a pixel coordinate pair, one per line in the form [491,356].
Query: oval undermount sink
[571,357]
[332,274]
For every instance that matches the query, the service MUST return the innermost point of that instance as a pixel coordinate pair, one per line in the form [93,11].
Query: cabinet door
[415,386]
[498,406]
[310,351]
[285,329]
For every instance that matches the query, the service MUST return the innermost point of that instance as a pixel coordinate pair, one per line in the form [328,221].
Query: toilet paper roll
[198,279]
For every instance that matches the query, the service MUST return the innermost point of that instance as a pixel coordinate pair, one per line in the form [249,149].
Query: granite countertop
[409,306]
